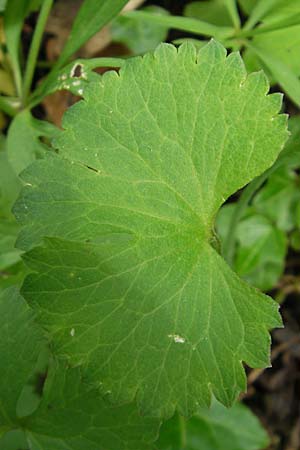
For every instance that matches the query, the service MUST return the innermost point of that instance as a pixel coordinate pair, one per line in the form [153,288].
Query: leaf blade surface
[145,162]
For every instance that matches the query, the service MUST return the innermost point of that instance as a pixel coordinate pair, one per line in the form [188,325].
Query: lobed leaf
[129,204]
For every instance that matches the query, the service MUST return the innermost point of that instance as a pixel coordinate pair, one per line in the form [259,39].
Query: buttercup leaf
[128,206]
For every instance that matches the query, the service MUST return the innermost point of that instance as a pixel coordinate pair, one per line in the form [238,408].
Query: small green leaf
[138,35]
[10,187]
[24,144]
[261,247]
[295,238]
[14,440]
[8,254]
[281,72]
[215,429]
[212,11]
[20,344]
[70,414]
[283,45]
[278,199]
[9,183]
[129,203]
[73,77]
[74,416]
[290,155]
[186,24]
[2,5]
[91,18]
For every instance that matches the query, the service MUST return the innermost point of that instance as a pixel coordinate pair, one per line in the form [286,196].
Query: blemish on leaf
[72,332]
[76,71]
[176,338]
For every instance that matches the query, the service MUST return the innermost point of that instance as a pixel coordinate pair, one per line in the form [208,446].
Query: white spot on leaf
[72,332]
[176,338]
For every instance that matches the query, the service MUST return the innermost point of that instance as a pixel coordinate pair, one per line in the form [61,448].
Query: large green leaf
[144,164]
[216,429]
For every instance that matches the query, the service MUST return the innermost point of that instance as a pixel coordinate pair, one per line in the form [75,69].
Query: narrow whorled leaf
[186,24]
[261,9]
[231,6]
[282,44]
[247,5]
[282,12]
[212,11]
[216,429]
[14,440]
[20,343]
[144,164]
[91,17]
[14,15]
